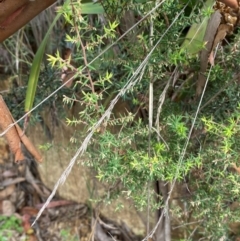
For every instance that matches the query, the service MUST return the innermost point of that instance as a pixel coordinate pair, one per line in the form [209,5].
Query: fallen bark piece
[15,14]
[7,192]
[209,38]
[8,208]
[12,136]
[15,135]
[28,144]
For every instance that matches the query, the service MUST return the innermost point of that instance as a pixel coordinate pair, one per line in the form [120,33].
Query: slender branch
[220,91]
[83,48]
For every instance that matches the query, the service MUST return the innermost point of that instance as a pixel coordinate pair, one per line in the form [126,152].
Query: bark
[15,14]
[231,3]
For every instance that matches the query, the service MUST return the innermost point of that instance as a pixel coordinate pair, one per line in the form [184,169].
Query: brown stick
[12,136]
[28,144]
[15,135]
[15,14]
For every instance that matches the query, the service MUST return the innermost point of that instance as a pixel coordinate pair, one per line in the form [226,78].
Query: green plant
[120,150]
[188,141]
[8,224]
[67,236]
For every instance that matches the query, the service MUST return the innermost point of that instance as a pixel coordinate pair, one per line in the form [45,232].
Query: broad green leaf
[193,42]
[92,8]
[86,8]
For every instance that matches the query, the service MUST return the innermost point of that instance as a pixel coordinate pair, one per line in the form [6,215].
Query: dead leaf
[29,211]
[237,169]
[10,181]
[7,192]
[27,228]
[9,173]
[231,3]
[211,58]
[8,208]
[222,31]
[209,38]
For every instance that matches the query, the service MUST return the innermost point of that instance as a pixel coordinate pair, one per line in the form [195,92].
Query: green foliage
[48,82]
[120,151]
[7,224]
[67,236]
[198,153]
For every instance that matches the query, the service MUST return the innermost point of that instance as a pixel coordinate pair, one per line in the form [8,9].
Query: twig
[162,99]
[159,135]
[186,224]
[220,91]
[150,122]
[83,49]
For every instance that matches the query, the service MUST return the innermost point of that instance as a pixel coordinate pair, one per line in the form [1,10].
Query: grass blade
[35,69]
